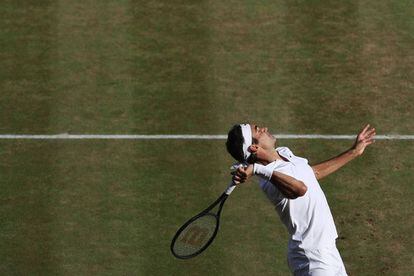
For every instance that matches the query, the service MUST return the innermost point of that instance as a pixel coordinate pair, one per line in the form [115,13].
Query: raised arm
[364,138]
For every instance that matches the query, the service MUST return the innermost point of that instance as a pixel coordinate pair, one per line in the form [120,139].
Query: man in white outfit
[291,185]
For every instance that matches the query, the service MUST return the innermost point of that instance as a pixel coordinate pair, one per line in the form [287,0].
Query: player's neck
[272,156]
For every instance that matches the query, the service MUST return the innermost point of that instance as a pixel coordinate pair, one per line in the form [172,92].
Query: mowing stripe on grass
[186,137]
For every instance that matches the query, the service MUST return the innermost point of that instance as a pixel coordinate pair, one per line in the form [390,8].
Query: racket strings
[195,236]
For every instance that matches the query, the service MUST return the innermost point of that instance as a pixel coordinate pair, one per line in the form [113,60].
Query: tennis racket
[199,232]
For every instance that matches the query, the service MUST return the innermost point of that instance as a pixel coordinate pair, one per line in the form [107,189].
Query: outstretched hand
[364,138]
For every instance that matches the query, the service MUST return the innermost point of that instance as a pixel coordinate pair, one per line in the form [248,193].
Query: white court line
[66,136]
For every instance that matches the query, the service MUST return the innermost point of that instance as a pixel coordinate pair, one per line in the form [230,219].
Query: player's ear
[253,148]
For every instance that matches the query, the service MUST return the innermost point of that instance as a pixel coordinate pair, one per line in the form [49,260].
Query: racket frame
[206,211]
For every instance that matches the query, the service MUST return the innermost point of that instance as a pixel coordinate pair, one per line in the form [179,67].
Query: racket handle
[232,185]
[230,188]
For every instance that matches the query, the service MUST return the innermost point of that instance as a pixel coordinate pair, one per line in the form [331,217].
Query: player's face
[262,137]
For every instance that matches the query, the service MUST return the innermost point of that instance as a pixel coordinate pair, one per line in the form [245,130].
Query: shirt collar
[285,152]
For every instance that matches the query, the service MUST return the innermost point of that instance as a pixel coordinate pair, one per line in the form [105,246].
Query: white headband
[247,135]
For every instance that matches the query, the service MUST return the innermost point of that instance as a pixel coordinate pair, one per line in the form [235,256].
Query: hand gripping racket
[199,232]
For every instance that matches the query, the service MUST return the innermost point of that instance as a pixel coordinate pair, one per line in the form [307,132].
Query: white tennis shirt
[308,218]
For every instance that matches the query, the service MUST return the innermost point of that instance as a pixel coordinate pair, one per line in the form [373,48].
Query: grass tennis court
[79,207]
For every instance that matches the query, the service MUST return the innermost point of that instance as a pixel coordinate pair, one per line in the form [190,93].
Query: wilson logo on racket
[195,235]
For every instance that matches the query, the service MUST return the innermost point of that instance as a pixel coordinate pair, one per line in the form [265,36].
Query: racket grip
[232,185]
[230,188]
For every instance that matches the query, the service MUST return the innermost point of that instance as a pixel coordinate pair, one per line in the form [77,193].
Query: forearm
[327,167]
[287,185]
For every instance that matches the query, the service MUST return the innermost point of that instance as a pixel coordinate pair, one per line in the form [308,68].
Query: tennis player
[291,185]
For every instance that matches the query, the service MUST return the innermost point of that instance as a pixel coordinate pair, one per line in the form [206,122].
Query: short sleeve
[284,167]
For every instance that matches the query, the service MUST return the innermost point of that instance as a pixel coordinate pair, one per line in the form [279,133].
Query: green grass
[177,67]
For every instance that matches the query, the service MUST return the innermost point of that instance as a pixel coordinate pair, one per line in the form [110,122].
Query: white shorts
[316,262]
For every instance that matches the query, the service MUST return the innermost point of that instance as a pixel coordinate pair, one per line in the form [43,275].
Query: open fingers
[371,133]
[367,132]
[365,129]
[370,130]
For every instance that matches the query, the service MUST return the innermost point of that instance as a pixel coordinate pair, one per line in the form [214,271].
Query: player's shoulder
[288,154]
[285,152]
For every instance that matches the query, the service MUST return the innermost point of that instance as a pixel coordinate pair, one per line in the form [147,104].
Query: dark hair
[234,145]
